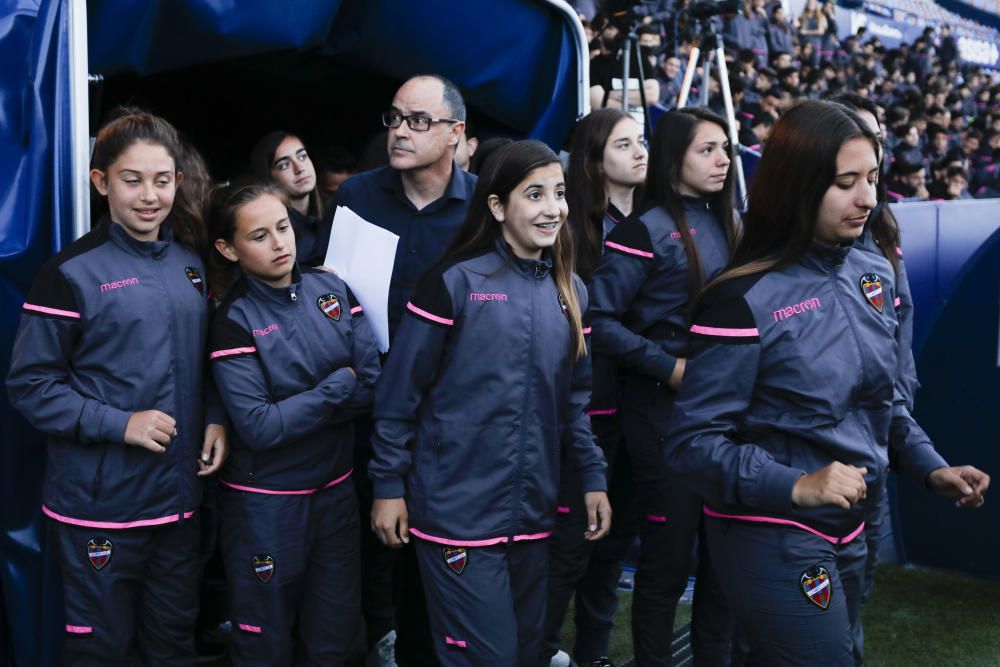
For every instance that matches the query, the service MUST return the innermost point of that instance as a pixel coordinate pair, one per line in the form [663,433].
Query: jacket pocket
[95,490]
[473,484]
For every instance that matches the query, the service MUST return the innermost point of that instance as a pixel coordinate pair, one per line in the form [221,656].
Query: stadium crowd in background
[941,115]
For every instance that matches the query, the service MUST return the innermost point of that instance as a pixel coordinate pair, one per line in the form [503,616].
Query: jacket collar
[277,295]
[154,249]
[696,203]
[531,268]
[825,258]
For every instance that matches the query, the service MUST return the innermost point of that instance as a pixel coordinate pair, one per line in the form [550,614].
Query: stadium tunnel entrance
[225,78]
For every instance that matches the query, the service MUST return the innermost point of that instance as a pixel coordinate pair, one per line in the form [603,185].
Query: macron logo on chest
[487,296]
[265,331]
[118,284]
[797,309]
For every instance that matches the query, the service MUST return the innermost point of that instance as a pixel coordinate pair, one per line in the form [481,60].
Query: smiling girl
[108,362]
[487,380]
[294,360]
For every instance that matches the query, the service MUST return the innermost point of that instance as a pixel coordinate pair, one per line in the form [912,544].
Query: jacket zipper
[527,396]
[293,297]
[178,390]
[852,412]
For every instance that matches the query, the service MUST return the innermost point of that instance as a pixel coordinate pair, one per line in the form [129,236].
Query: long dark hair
[262,157]
[223,208]
[507,166]
[883,226]
[130,126]
[585,181]
[797,168]
[671,140]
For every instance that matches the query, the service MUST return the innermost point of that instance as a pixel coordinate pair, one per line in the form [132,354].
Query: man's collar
[458,186]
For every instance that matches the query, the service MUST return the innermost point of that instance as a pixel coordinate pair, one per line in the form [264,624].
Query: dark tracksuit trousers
[287,557]
[590,570]
[492,611]
[124,584]
[669,517]
[760,569]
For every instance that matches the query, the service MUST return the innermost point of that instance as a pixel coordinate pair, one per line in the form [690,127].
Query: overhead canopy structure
[226,72]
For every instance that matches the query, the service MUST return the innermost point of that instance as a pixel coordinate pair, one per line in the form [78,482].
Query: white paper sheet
[363,255]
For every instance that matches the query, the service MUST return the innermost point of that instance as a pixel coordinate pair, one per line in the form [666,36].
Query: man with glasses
[422,196]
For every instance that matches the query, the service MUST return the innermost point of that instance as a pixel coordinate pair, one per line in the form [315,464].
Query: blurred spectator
[947,49]
[779,32]
[335,164]
[937,143]
[906,181]
[671,77]
[908,149]
[955,185]
[467,146]
[607,68]
[812,29]
[831,42]
[759,128]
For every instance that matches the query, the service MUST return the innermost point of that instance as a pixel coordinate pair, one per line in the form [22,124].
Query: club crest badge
[263,567]
[99,552]
[329,305]
[817,586]
[195,278]
[456,559]
[871,288]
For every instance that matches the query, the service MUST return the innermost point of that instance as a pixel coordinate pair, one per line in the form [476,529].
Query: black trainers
[602,662]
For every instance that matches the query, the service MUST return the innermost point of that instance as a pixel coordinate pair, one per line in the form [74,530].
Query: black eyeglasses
[417,123]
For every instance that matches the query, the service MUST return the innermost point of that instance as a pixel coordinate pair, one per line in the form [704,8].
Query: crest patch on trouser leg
[99,552]
[817,586]
[456,559]
[263,567]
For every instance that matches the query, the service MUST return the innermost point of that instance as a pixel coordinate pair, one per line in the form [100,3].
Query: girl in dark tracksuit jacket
[108,362]
[487,379]
[639,307]
[294,360]
[791,411]
[607,168]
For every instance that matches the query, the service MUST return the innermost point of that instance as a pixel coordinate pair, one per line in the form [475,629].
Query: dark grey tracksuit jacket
[113,326]
[795,369]
[639,294]
[478,394]
[280,358]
